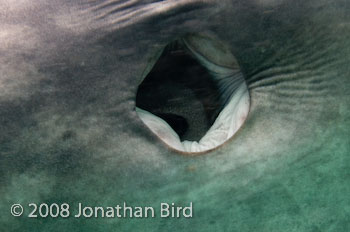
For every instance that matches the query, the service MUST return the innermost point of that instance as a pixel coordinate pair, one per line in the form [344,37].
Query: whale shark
[267,151]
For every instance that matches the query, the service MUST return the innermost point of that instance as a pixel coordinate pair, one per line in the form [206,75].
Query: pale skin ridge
[225,126]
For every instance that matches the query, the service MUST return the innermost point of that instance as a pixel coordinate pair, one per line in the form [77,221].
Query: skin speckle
[286,170]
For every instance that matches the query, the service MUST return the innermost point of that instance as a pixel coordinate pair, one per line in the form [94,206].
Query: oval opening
[195,98]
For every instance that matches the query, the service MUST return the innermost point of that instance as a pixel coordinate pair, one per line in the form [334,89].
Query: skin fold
[69,73]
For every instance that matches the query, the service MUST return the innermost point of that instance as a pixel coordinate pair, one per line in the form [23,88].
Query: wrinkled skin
[69,132]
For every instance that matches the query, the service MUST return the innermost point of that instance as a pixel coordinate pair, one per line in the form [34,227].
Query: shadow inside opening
[182,92]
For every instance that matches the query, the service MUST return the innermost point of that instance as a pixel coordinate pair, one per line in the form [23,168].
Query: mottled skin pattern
[68,131]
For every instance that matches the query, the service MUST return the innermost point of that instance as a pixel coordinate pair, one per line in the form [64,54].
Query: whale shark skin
[70,134]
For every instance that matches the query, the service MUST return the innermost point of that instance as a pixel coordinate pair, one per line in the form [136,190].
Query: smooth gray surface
[69,72]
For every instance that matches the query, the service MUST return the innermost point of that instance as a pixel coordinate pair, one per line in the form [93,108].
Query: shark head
[71,72]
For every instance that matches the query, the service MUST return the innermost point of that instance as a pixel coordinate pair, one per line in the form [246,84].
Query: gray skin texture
[69,132]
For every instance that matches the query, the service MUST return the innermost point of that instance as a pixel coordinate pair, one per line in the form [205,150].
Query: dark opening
[182,92]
